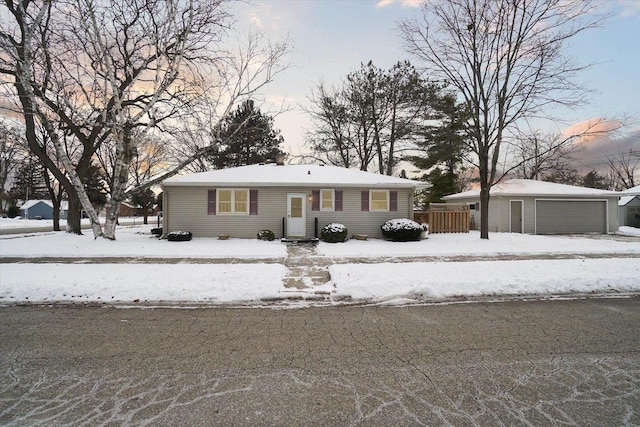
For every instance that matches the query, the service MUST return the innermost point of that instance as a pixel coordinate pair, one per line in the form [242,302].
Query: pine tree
[594,180]
[444,144]
[29,182]
[94,184]
[246,137]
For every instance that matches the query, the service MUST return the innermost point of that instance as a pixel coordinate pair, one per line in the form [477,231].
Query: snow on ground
[471,244]
[132,283]
[237,283]
[135,241]
[446,280]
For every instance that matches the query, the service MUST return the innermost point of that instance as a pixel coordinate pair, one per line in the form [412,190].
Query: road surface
[513,363]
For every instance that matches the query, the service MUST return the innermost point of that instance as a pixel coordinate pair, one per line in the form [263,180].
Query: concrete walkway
[307,271]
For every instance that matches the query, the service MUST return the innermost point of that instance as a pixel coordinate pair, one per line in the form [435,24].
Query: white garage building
[538,207]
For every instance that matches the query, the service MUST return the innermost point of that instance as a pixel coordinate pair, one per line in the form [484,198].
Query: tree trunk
[56,214]
[74,214]
[484,213]
[485,187]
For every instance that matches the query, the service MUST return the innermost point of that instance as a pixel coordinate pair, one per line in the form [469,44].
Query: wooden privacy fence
[448,218]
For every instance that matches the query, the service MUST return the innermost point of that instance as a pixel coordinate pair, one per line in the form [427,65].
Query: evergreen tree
[29,183]
[443,147]
[594,180]
[95,185]
[245,137]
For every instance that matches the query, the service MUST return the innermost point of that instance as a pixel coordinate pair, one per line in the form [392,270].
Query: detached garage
[537,207]
[571,216]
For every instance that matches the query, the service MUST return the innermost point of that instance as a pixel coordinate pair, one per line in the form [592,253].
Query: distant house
[629,207]
[42,209]
[127,209]
[537,207]
[290,200]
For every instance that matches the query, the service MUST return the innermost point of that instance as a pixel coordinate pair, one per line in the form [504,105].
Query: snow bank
[471,244]
[443,280]
[132,283]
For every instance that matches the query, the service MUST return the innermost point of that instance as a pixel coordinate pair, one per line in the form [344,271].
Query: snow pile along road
[255,272]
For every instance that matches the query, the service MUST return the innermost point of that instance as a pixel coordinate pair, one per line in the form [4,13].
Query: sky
[331,38]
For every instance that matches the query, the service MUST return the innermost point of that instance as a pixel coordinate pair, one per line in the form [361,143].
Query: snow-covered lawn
[238,281]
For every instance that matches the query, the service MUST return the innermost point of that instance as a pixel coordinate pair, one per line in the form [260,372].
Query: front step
[301,240]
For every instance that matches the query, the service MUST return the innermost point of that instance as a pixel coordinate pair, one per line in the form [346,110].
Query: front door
[296,215]
[516,216]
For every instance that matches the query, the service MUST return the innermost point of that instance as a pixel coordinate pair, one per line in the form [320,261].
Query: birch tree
[506,59]
[116,70]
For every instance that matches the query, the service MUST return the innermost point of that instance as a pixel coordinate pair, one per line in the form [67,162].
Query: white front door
[296,215]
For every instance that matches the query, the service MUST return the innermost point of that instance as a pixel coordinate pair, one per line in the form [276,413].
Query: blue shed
[37,209]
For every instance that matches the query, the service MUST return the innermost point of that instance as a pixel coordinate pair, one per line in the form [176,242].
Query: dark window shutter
[253,202]
[339,200]
[364,201]
[393,201]
[315,200]
[211,202]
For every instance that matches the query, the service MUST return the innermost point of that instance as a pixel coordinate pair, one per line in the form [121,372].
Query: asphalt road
[510,363]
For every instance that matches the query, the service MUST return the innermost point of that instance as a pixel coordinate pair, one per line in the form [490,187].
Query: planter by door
[296,214]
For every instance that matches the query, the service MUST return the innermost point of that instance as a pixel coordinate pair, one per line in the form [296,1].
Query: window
[379,200]
[327,200]
[233,201]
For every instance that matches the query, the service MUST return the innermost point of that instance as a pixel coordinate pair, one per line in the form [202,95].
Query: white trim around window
[327,200]
[379,201]
[232,201]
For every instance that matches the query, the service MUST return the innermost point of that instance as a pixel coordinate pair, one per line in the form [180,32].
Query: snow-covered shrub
[179,236]
[266,235]
[401,230]
[333,233]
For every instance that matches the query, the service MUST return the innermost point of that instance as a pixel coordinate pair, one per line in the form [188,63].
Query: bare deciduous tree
[506,59]
[622,169]
[372,119]
[110,71]
[535,155]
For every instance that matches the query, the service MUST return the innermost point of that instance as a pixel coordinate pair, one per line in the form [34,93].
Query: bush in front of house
[13,211]
[401,230]
[333,233]
[179,236]
[156,231]
[266,235]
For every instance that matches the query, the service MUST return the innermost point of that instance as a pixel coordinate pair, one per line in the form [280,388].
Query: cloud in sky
[406,3]
[255,19]
[594,129]
[630,8]
[606,139]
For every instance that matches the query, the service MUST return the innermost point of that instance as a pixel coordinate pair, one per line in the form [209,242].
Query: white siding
[499,215]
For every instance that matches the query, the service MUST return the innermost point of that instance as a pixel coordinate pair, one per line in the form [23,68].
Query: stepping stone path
[308,271]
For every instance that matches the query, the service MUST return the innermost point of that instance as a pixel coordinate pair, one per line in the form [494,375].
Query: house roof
[530,187]
[624,200]
[634,191]
[272,175]
[31,203]
[64,205]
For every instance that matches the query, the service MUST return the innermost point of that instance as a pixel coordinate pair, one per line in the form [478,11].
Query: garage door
[561,216]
